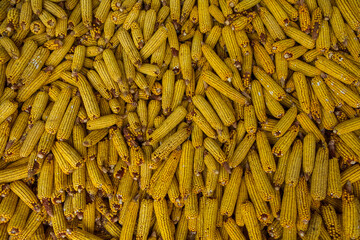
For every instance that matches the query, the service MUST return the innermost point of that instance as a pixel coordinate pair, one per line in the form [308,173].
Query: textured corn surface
[179,119]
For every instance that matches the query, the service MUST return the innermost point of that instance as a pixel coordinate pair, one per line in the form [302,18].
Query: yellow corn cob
[263,58]
[69,118]
[131,215]
[18,128]
[241,198]
[219,66]
[252,225]
[94,174]
[263,213]
[338,25]
[89,100]
[191,206]
[159,189]
[347,126]
[245,5]
[294,164]
[320,175]
[250,121]
[230,195]
[350,215]
[331,221]
[59,221]
[242,150]
[178,94]
[278,12]
[145,215]
[351,140]
[307,69]
[79,58]
[271,24]
[54,120]
[186,169]
[211,181]
[323,94]
[209,113]
[103,122]
[302,90]
[26,195]
[232,46]
[266,158]
[329,120]
[185,62]
[282,45]
[282,69]
[284,143]
[57,55]
[8,207]
[275,230]
[34,67]
[196,51]
[45,186]
[10,47]
[32,224]
[215,150]
[154,42]
[316,22]
[163,219]
[205,22]
[129,47]
[335,70]
[239,23]
[348,13]
[269,124]
[285,122]
[216,13]
[86,12]
[311,55]
[323,41]
[25,15]
[279,176]
[294,52]
[288,207]
[261,181]
[344,62]
[17,222]
[172,121]
[20,64]
[314,227]
[32,138]
[300,37]
[69,154]
[7,107]
[199,164]
[223,87]
[181,230]
[289,9]
[77,233]
[309,126]
[273,106]
[233,230]
[309,154]
[258,101]
[303,201]
[269,84]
